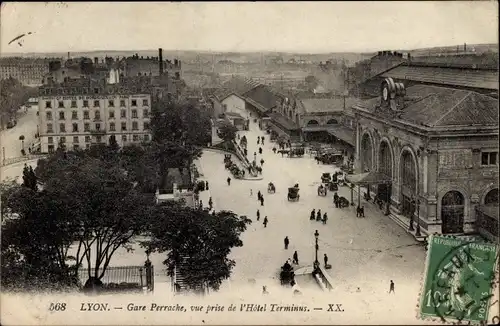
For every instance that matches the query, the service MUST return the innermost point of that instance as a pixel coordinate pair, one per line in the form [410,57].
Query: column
[431,183]
[357,159]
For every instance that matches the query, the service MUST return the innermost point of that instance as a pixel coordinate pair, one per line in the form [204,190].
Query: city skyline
[246,27]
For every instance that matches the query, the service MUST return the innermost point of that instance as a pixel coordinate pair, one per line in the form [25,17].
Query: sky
[303,27]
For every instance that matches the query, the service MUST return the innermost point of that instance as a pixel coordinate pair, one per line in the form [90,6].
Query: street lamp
[316,262]
[418,219]
[410,228]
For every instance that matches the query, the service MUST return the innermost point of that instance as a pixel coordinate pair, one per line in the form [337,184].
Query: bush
[201,185]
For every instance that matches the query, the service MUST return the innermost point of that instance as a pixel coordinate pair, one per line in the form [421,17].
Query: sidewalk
[205,195]
[400,220]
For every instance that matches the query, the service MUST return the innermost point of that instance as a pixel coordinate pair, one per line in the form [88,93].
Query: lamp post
[316,262]
[418,219]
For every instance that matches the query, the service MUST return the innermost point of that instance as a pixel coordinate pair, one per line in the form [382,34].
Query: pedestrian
[228,181]
[274,150]
[258,215]
[262,140]
[362,211]
[358,211]
[261,162]
[325,259]
[318,215]
[200,206]
[206,185]
[258,140]
[287,242]
[261,200]
[336,200]
[259,194]
[313,214]
[295,258]
[210,203]
[265,222]
[213,212]
[251,193]
[391,287]
[264,290]
[325,218]
[260,150]
[255,157]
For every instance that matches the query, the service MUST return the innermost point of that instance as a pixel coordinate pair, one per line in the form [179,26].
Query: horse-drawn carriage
[293,193]
[322,191]
[330,158]
[271,189]
[326,177]
[343,202]
[287,274]
[296,152]
[333,186]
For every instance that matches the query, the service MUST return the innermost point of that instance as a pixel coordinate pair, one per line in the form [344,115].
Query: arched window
[312,123]
[332,122]
[452,212]
[491,197]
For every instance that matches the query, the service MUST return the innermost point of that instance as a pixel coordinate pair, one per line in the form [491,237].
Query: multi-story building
[29,71]
[148,66]
[82,112]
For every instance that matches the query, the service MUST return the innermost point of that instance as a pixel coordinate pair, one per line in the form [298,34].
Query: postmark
[459,279]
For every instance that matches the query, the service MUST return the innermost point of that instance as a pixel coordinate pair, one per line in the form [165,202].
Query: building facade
[29,71]
[79,114]
[438,145]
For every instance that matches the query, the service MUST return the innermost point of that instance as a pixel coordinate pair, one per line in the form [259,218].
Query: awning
[341,132]
[368,178]
[344,134]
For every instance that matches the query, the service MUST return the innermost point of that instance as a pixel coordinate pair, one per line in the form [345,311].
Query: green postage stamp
[459,279]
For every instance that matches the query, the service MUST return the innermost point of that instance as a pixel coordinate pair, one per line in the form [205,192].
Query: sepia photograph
[249,163]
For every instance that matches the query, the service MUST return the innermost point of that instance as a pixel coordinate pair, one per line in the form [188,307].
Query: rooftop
[434,106]
[262,95]
[237,85]
[315,105]
[471,78]
[283,121]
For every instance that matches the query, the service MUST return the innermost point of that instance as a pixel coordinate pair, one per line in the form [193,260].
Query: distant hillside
[257,57]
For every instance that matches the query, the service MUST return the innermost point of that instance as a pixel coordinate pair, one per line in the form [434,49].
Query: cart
[271,189]
[293,194]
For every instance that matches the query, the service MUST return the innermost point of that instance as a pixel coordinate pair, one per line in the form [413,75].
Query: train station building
[434,134]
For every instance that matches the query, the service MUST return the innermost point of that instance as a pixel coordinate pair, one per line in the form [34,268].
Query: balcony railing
[98,132]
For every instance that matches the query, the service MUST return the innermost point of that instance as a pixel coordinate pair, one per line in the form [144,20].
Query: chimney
[465,47]
[160,60]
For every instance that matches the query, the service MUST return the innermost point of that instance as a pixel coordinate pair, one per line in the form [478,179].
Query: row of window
[98,139]
[86,127]
[96,103]
[489,158]
[97,114]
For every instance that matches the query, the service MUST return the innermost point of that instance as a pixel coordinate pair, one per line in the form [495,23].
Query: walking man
[258,215]
[206,185]
[287,242]
[313,214]
[336,200]
[261,200]
[362,211]
[295,258]
[318,215]
[325,259]
[325,218]
[261,162]
[228,181]
[259,195]
[391,287]
[265,222]
[262,140]
[260,150]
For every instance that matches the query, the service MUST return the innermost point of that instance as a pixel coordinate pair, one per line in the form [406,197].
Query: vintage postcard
[253,163]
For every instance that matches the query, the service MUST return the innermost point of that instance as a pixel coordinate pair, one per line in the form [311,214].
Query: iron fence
[118,275]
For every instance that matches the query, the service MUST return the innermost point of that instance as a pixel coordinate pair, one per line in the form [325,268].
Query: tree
[311,82]
[12,95]
[227,131]
[29,178]
[99,205]
[197,243]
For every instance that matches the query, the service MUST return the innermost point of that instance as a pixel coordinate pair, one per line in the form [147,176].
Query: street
[26,125]
[365,253]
